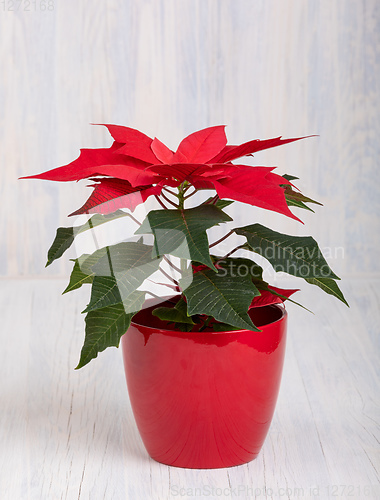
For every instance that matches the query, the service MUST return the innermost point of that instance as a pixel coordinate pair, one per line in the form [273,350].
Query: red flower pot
[204,399]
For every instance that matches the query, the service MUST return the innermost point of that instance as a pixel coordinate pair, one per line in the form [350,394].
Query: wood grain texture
[265,68]
[67,434]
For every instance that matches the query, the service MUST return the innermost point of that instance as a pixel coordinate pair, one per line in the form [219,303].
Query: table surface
[70,434]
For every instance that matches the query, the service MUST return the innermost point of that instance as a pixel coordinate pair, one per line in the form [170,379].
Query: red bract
[201,267]
[201,146]
[269,296]
[230,153]
[136,167]
[111,194]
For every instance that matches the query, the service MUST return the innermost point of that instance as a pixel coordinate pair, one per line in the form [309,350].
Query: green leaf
[220,203]
[297,199]
[297,203]
[182,233]
[241,267]
[77,278]
[176,314]
[126,256]
[119,272]
[104,327]
[223,327]
[62,241]
[296,255]
[223,296]
[82,271]
[87,261]
[104,293]
[65,235]
[289,177]
[183,327]
[328,286]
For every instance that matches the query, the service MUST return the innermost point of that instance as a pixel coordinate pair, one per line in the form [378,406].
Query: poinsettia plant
[213,292]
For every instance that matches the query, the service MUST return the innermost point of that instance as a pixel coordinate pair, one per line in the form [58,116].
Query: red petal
[201,183]
[196,269]
[230,153]
[255,186]
[205,179]
[179,171]
[168,183]
[135,176]
[162,152]
[278,179]
[201,146]
[202,267]
[266,298]
[111,194]
[192,171]
[136,144]
[89,163]
[283,291]
[139,151]
[125,134]
[215,171]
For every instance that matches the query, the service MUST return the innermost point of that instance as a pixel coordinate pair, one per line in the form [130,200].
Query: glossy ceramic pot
[204,399]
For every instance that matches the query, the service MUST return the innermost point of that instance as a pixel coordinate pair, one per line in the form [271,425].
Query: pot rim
[278,306]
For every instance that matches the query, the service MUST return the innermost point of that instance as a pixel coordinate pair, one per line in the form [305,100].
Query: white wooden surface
[70,435]
[169,67]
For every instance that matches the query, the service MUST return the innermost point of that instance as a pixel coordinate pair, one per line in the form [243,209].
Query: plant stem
[205,324]
[134,219]
[160,202]
[191,194]
[183,269]
[169,201]
[230,253]
[181,198]
[164,284]
[94,235]
[221,239]
[157,297]
[172,265]
[183,266]
[168,276]
[169,191]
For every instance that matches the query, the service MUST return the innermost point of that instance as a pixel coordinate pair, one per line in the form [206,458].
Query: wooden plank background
[168,67]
